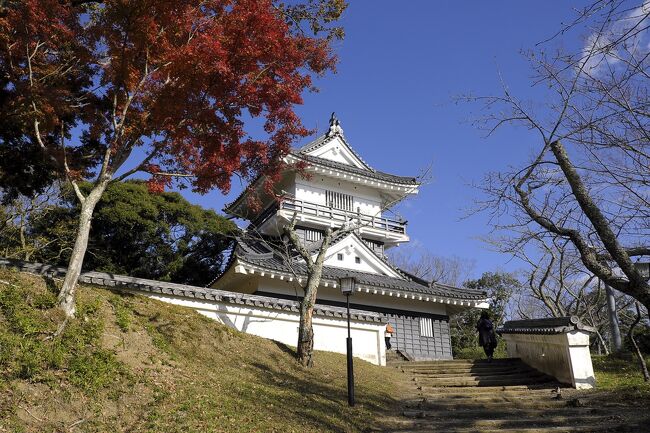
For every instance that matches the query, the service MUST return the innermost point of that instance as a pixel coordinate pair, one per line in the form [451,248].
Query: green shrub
[476,352]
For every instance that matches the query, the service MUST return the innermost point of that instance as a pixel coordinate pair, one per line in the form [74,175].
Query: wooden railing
[335,214]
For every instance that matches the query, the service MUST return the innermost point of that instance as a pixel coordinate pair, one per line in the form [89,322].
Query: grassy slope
[133,364]
[621,376]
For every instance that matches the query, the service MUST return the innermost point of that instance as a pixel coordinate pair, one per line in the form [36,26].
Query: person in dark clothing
[486,335]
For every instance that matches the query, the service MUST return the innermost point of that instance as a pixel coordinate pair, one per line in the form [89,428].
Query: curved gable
[344,253]
[337,150]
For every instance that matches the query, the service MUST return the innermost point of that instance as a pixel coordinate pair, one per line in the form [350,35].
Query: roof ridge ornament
[335,126]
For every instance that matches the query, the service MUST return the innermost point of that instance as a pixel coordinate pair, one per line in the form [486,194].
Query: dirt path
[504,396]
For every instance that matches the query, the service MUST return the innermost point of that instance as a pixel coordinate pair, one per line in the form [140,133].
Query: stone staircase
[464,373]
[504,396]
[394,357]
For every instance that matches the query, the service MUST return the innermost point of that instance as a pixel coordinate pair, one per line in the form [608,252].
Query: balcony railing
[331,213]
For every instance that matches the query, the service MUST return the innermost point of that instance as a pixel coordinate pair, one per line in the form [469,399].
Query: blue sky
[401,65]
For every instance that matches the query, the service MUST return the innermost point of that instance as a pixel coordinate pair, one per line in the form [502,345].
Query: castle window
[339,256]
[339,200]
[357,260]
[426,327]
[313,235]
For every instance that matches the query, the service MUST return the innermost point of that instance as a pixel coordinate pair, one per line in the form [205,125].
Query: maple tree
[106,89]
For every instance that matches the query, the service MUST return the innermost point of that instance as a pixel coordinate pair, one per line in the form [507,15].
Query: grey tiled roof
[123,282]
[260,253]
[374,174]
[548,326]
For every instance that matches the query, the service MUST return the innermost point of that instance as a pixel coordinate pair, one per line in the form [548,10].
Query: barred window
[426,327]
[339,200]
[313,235]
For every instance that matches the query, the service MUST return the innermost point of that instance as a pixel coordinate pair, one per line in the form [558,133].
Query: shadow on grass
[286,349]
[322,405]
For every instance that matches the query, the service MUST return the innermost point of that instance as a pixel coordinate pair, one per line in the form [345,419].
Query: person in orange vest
[389,333]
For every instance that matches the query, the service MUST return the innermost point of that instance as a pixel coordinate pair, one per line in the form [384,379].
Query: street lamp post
[347,285]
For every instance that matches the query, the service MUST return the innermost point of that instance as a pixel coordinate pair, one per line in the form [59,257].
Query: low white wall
[564,356]
[329,332]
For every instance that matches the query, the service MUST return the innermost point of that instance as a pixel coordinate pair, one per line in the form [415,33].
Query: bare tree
[587,181]
[423,264]
[557,285]
[305,346]
[637,351]
[15,218]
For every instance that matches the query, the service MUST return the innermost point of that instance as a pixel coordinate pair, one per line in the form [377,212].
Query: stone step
[454,423]
[487,404]
[460,362]
[533,388]
[477,377]
[469,398]
[486,373]
[464,369]
[502,413]
[434,394]
[526,380]
[486,398]
[431,393]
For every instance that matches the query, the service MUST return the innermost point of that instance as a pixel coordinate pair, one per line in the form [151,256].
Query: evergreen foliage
[134,232]
[464,338]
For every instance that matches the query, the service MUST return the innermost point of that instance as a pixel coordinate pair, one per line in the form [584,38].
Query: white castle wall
[313,191]
[282,326]
[279,325]
[564,356]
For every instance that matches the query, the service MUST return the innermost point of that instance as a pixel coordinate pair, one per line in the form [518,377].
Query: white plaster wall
[313,190]
[329,333]
[351,248]
[563,356]
[310,193]
[335,150]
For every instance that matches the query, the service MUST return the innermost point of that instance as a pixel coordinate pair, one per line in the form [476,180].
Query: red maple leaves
[175,83]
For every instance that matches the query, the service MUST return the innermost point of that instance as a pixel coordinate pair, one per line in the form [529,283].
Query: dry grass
[128,363]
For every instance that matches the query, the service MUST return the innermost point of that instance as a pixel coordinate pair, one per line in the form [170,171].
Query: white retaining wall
[564,356]
[246,313]
[329,332]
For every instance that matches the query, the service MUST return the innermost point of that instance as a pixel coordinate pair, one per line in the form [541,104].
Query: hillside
[129,363]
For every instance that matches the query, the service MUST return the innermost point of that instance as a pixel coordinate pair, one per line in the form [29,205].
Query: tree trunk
[601,343]
[613,319]
[67,293]
[636,286]
[639,355]
[305,347]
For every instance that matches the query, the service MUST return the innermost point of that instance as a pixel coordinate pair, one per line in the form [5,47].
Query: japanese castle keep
[335,187]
